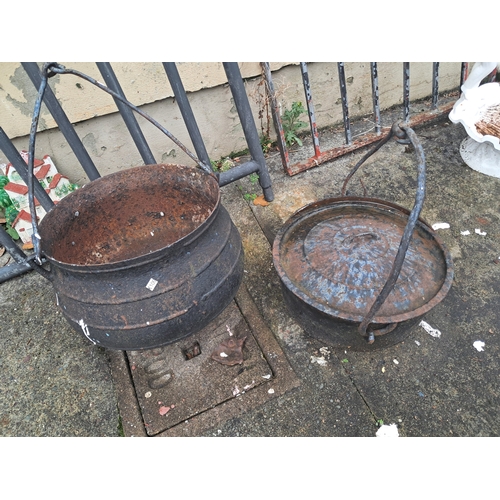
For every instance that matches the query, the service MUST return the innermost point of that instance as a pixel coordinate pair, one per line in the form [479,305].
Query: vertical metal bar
[248,124]
[310,108]
[21,168]
[127,114]
[464,73]
[278,126]
[435,84]
[406,91]
[375,97]
[186,111]
[62,121]
[345,107]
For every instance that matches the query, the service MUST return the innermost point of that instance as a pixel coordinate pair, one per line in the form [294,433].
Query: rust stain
[229,352]
[260,201]
[366,140]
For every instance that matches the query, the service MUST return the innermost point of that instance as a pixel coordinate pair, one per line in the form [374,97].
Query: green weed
[249,196]
[253,178]
[291,123]
[222,165]
[265,143]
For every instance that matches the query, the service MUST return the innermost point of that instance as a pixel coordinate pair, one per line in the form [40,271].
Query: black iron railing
[256,164]
[350,145]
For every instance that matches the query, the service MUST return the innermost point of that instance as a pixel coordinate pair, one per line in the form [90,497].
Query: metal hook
[49,69]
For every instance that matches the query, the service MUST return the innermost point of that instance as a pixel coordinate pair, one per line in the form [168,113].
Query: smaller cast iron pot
[334,256]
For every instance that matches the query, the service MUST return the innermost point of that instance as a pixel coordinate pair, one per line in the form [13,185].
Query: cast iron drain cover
[171,389]
[180,389]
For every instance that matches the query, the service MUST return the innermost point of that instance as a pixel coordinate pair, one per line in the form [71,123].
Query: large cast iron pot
[143,257]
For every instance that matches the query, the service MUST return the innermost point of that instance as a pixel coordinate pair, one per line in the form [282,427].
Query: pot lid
[337,254]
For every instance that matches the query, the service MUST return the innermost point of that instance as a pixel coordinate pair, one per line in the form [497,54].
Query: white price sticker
[151,284]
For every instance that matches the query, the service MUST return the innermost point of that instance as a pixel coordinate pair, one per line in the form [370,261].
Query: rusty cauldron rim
[366,203]
[67,202]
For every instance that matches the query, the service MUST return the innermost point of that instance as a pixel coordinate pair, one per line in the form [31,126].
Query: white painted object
[480,152]
[85,330]
[478,231]
[482,157]
[388,431]
[23,225]
[440,225]
[55,184]
[431,331]
[479,345]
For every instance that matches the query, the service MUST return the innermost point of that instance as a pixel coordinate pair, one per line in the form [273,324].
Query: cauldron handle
[403,132]
[50,69]
[38,268]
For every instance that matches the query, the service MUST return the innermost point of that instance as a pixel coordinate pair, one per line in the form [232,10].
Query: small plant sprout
[292,124]
[253,178]
[222,165]
[265,143]
[249,196]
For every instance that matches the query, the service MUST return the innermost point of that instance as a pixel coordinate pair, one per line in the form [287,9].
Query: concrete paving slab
[53,382]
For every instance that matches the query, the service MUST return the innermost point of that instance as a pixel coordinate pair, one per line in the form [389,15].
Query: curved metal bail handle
[367,155]
[60,69]
[35,238]
[401,131]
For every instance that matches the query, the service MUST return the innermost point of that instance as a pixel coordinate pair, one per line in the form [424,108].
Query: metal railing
[256,164]
[319,157]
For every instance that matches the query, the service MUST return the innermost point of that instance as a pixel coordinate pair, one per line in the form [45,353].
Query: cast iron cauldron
[360,272]
[142,257]
[334,257]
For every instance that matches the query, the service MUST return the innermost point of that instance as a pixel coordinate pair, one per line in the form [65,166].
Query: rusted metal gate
[256,163]
[350,145]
